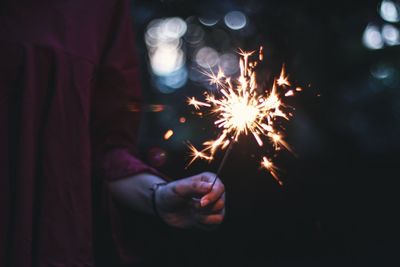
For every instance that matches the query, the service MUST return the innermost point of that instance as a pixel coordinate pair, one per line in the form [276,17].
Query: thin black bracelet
[153,189]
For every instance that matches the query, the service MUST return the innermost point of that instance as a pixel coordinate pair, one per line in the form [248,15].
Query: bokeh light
[389,11]
[167,58]
[207,57]
[229,63]
[194,35]
[208,21]
[390,34]
[372,38]
[235,20]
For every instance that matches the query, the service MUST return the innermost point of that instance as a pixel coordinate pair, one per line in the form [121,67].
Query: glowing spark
[182,119]
[267,164]
[289,93]
[243,109]
[192,101]
[283,79]
[168,134]
[197,154]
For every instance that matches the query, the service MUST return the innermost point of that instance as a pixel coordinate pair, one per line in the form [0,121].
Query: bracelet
[153,189]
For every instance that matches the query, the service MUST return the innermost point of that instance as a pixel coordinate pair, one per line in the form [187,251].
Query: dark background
[339,202]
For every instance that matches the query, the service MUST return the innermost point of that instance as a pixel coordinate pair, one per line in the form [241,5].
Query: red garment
[67,75]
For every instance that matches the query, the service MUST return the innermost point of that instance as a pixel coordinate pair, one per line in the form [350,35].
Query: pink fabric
[67,74]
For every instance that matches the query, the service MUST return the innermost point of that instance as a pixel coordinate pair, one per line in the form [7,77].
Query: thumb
[191,187]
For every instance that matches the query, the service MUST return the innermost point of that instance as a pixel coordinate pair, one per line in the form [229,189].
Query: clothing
[67,76]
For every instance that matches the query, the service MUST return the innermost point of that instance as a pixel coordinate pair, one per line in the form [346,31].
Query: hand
[191,202]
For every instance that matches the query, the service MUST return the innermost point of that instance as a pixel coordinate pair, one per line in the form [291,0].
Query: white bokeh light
[174,27]
[372,38]
[229,63]
[207,57]
[390,34]
[163,39]
[235,20]
[389,11]
[166,59]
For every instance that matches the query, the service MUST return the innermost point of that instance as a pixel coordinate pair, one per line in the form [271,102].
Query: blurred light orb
[372,38]
[163,39]
[381,71]
[229,63]
[207,57]
[166,59]
[389,11]
[176,79]
[208,21]
[235,20]
[390,34]
[174,27]
[194,35]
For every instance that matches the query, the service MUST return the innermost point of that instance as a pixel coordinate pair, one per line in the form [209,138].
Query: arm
[185,203]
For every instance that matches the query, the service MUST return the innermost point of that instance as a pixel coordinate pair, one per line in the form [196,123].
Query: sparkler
[243,108]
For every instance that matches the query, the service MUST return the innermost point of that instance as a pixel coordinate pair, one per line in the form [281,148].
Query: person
[68,72]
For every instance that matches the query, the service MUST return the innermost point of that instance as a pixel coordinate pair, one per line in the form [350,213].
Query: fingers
[213,208]
[206,179]
[211,215]
[190,187]
[214,194]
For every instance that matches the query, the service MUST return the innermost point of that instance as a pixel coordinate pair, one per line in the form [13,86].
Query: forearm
[135,192]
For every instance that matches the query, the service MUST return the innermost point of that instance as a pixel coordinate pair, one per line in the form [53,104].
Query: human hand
[191,202]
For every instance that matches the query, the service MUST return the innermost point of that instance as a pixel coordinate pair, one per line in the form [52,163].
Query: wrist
[155,195]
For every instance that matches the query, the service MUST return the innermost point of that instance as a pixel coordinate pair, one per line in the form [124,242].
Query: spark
[289,93]
[269,165]
[283,78]
[241,108]
[197,154]
[168,134]
[192,101]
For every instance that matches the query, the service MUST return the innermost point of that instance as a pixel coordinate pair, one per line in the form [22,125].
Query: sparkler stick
[243,108]
[221,165]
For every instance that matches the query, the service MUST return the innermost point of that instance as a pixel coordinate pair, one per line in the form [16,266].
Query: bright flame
[244,108]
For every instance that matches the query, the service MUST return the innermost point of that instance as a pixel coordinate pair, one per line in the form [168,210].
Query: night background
[339,202]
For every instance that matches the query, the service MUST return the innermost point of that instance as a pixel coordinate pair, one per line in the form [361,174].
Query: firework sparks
[242,108]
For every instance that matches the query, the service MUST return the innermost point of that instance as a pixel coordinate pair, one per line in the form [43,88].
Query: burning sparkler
[243,108]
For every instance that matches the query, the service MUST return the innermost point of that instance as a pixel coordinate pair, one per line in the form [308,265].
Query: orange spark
[289,93]
[168,134]
[267,164]
[283,79]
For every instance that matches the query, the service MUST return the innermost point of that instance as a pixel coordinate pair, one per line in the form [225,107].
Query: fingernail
[204,202]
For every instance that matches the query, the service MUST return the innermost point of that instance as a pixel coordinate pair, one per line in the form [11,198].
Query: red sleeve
[114,131]
[117,85]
